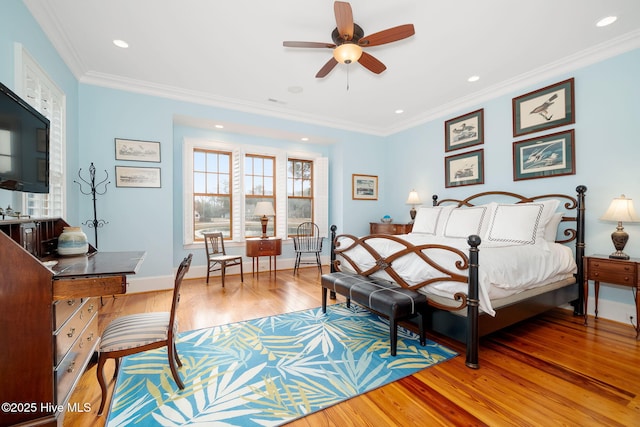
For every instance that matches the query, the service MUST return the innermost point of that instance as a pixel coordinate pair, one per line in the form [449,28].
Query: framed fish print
[464,131]
[545,108]
[547,156]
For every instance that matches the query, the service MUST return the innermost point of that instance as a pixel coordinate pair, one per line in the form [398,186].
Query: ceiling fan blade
[387,36]
[344,19]
[309,44]
[371,63]
[326,69]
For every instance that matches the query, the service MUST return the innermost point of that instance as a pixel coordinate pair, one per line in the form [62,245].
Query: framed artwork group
[137,151]
[543,156]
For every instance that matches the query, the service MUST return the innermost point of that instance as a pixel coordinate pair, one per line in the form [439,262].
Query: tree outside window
[299,193]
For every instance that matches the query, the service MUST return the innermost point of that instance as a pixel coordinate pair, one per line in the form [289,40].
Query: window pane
[299,211]
[199,161]
[199,182]
[212,213]
[253,226]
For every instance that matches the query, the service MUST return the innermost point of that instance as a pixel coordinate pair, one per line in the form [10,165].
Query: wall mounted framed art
[139,151]
[464,131]
[364,187]
[134,177]
[464,169]
[547,156]
[545,108]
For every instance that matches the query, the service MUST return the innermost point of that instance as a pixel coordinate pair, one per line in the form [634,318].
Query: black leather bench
[382,296]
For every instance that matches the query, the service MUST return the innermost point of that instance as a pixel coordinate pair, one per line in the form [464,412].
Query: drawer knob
[71,332]
[72,366]
[90,308]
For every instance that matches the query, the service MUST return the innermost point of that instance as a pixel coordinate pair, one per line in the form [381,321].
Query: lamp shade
[347,53]
[621,210]
[264,209]
[413,198]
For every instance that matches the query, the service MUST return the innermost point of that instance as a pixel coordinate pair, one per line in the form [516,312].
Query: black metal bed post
[473,339]
[332,294]
[95,223]
[578,305]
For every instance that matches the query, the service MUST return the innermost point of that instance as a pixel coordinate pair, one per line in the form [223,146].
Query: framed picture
[127,176]
[545,108]
[464,131]
[364,187]
[464,169]
[139,151]
[550,155]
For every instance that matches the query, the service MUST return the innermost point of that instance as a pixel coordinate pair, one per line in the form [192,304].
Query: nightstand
[389,228]
[271,247]
[601,268]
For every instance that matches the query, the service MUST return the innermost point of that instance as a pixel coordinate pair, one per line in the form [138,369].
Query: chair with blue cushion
[137,333]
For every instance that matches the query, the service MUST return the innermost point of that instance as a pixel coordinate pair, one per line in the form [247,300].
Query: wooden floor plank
[550,370]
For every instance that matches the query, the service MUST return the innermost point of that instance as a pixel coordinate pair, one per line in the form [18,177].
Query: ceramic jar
[72,241]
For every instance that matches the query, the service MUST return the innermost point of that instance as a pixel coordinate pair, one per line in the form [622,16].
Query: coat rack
[93,190]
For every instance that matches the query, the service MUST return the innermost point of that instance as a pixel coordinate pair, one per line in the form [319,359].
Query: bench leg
[393,334]
[423,328]
[348,302]
[324,299]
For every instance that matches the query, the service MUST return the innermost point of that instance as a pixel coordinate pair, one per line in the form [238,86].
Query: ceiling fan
[349,39]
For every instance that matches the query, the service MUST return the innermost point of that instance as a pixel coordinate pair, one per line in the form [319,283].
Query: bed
[484,262]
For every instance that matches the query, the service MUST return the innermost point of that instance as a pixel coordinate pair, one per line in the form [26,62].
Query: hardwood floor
[551,370]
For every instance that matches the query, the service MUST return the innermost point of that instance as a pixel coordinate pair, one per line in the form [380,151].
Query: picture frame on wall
[464,169]
[544,157]
[544,109]
[464,131]
[137,177]
[364,187]
[138,151]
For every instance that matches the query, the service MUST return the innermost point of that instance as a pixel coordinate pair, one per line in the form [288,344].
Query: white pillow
[431,220]
[466,221]
[520,224]
[551,229]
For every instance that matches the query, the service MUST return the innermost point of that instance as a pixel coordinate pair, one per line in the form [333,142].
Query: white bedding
[503,270]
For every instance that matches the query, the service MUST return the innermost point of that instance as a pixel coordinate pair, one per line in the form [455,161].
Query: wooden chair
[136,333]
[307,241]
[217,258]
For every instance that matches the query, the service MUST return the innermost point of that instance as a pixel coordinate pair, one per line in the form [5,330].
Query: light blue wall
[607,111]
[607,96]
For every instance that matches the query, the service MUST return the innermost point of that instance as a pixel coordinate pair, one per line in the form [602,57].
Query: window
[43,95]
[259,186]
[223,182]
[212,192]
[299,193]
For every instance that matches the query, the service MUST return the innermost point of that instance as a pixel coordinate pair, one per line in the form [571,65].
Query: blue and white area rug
[268,371]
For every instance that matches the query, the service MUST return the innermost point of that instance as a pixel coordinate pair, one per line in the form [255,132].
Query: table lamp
[264,209]
[621,209]
[413,200]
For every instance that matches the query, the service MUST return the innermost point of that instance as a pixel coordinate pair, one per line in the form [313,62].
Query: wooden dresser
[389,228]
[49,318]
[257,247]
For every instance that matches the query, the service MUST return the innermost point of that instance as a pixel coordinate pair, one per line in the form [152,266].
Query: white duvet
[503,270]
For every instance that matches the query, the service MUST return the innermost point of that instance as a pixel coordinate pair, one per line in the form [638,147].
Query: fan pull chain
[348,67]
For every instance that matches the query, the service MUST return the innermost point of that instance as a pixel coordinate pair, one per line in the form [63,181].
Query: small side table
[257,247]
[624,272]
[389,228]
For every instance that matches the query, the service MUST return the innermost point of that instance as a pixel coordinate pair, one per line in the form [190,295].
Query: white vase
[72,241]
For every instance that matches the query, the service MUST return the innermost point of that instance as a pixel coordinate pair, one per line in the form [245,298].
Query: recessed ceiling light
[121,43]
[473,79]
[295,89]
[606,21]
[399,111]
[304,138]
[219,127]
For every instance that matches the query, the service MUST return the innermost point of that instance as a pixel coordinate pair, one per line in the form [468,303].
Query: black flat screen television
[24,145]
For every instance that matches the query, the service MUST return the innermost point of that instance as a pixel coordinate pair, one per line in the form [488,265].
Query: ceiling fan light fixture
[347,53]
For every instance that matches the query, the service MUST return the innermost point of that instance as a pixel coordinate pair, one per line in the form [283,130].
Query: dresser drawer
[65,336]
[611,271]
[75,361]
[264,247]
[63,309]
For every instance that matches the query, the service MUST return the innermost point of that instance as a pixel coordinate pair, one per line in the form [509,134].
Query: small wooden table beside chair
[217,258]
[137,333]
[307,241]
